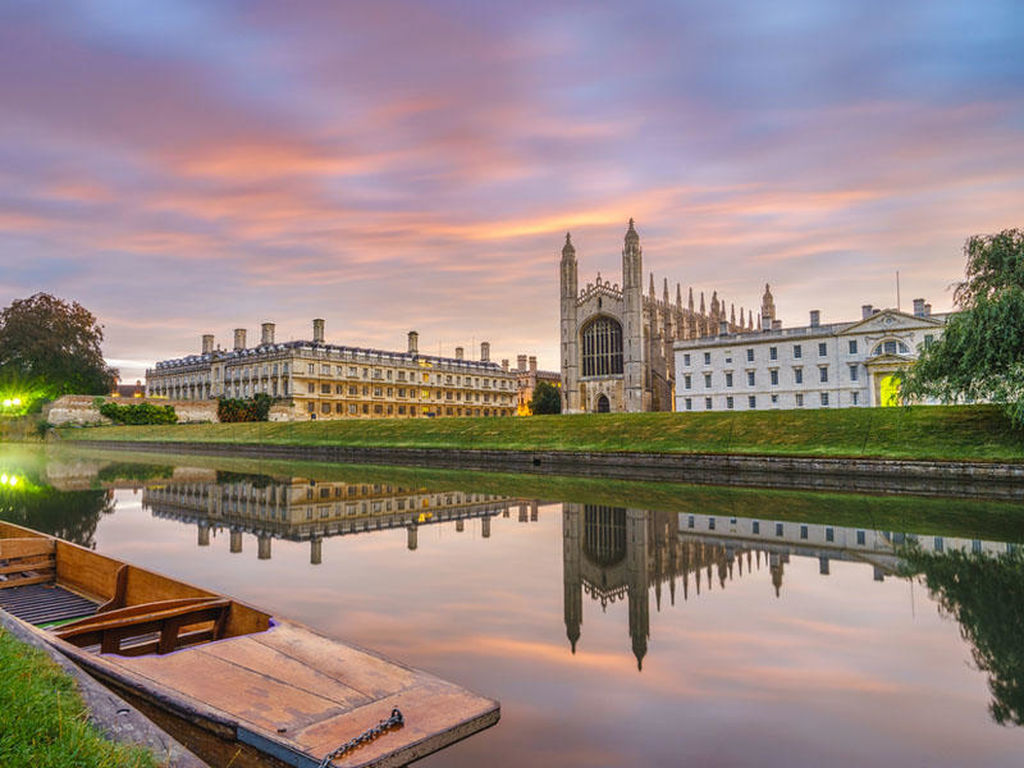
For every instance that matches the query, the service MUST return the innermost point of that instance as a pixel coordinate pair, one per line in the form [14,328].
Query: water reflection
[305,509]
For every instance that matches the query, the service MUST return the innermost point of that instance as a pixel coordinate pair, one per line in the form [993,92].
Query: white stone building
[836,365]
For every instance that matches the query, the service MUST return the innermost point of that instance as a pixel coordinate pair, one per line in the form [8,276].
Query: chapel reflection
[304,509]
[615,553]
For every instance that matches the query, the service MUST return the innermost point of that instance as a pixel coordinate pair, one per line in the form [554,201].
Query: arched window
[602,347]
[891,347]
[604,532]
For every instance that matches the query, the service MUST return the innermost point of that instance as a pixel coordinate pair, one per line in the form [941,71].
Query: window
[752,401]
[824,399]
[775,399]
[799,400]
[310,368]
[728,379]
[352,409]
[803,531]
[774,373]
[728,402]
[311,388]
[757,527]
[797,351]
[798,375]
[778,529]
[602,347]
[891,347]
[686,359]
[861,538]
[854,397]
[707,381]
[750,355]
[750,378]
[325,408]
[325,389]
[707,403]
[773,353]
[711,523]
[853,346]
[689,404]
[823,374]
[822,349]
[929,339]
[687,381]
[830,534]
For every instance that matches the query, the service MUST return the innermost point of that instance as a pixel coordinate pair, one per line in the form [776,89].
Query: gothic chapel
[617,343]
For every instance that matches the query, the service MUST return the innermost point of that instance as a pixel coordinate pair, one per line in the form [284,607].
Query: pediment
[891,321]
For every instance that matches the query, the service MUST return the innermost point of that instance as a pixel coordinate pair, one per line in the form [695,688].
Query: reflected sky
[844,668]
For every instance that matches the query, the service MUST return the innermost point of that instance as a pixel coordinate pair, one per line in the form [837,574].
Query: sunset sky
[185,167]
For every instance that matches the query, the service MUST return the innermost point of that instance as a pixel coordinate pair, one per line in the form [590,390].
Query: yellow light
[16,401]
[8,402]
[3,479]
[12,482]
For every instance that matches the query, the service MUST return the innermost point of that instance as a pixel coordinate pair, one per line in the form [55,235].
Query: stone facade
[330,381]
[84,409]
[527,378]
[837,365]
[616,343]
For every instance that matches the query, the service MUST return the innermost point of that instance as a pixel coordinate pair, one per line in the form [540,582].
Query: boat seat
[27,561]
[158,627]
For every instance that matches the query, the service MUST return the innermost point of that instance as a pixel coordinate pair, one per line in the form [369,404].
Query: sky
[183,167]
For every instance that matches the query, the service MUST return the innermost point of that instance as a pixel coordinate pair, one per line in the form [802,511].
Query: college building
[617,343]
[331,381]
[832,365]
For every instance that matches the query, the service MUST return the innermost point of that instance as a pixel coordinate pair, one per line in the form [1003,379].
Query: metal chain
[395,721]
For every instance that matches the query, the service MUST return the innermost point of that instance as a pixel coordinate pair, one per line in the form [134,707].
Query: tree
[52,348]
[981,353]
[546,399]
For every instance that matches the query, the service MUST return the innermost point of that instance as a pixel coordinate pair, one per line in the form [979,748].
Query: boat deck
[310,694]
[43,604]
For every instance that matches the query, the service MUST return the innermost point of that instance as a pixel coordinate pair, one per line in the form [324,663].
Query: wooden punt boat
[231,682]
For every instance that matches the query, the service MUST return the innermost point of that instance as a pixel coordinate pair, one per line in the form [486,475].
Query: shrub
[234,409]
[142,413]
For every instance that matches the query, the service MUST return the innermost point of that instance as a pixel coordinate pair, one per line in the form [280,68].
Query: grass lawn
[43,720]
[922,432]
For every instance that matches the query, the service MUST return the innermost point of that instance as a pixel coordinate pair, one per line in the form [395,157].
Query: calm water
[618,624]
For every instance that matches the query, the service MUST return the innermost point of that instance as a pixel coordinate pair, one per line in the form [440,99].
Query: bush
[234,409]
[142,413]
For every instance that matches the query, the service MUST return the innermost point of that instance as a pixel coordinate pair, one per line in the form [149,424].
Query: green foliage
[43,722]
[140,413]
[52,347]
[981,353]
[984,594]
[547,399]
[233,409]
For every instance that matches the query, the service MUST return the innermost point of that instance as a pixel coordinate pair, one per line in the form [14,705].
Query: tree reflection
[71,515]
[985,595]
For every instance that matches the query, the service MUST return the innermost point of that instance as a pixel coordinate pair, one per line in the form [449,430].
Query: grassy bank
[43,720]
[922,432]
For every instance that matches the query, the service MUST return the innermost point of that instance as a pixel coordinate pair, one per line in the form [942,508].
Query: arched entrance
[603,406]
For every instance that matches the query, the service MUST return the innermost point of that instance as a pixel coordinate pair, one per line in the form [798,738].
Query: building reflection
[303,509]
[615,553]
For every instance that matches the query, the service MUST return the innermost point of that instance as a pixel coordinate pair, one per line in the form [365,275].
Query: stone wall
[83,409]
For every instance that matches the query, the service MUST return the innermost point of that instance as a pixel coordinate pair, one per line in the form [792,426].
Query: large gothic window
[602,347]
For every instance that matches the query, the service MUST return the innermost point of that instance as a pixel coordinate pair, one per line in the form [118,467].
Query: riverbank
[920,433]
[45,721]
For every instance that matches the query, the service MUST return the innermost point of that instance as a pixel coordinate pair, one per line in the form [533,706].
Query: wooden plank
[27,547]
[255,656]
[236,692]
[120,591]
[436,714]
[362,670]
[21,581]
[29,563]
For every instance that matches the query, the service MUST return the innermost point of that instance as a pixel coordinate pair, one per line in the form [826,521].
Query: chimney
[723,327]
[865,311]
[414,343]
[504,364]
[207,343]
[927,310]
[918,307]
[459,353]
[318,331]
[776,325]
[485,351]
[268,333]
[533,364]
[239,338]
[521,362]
[815,318]
[766,323]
